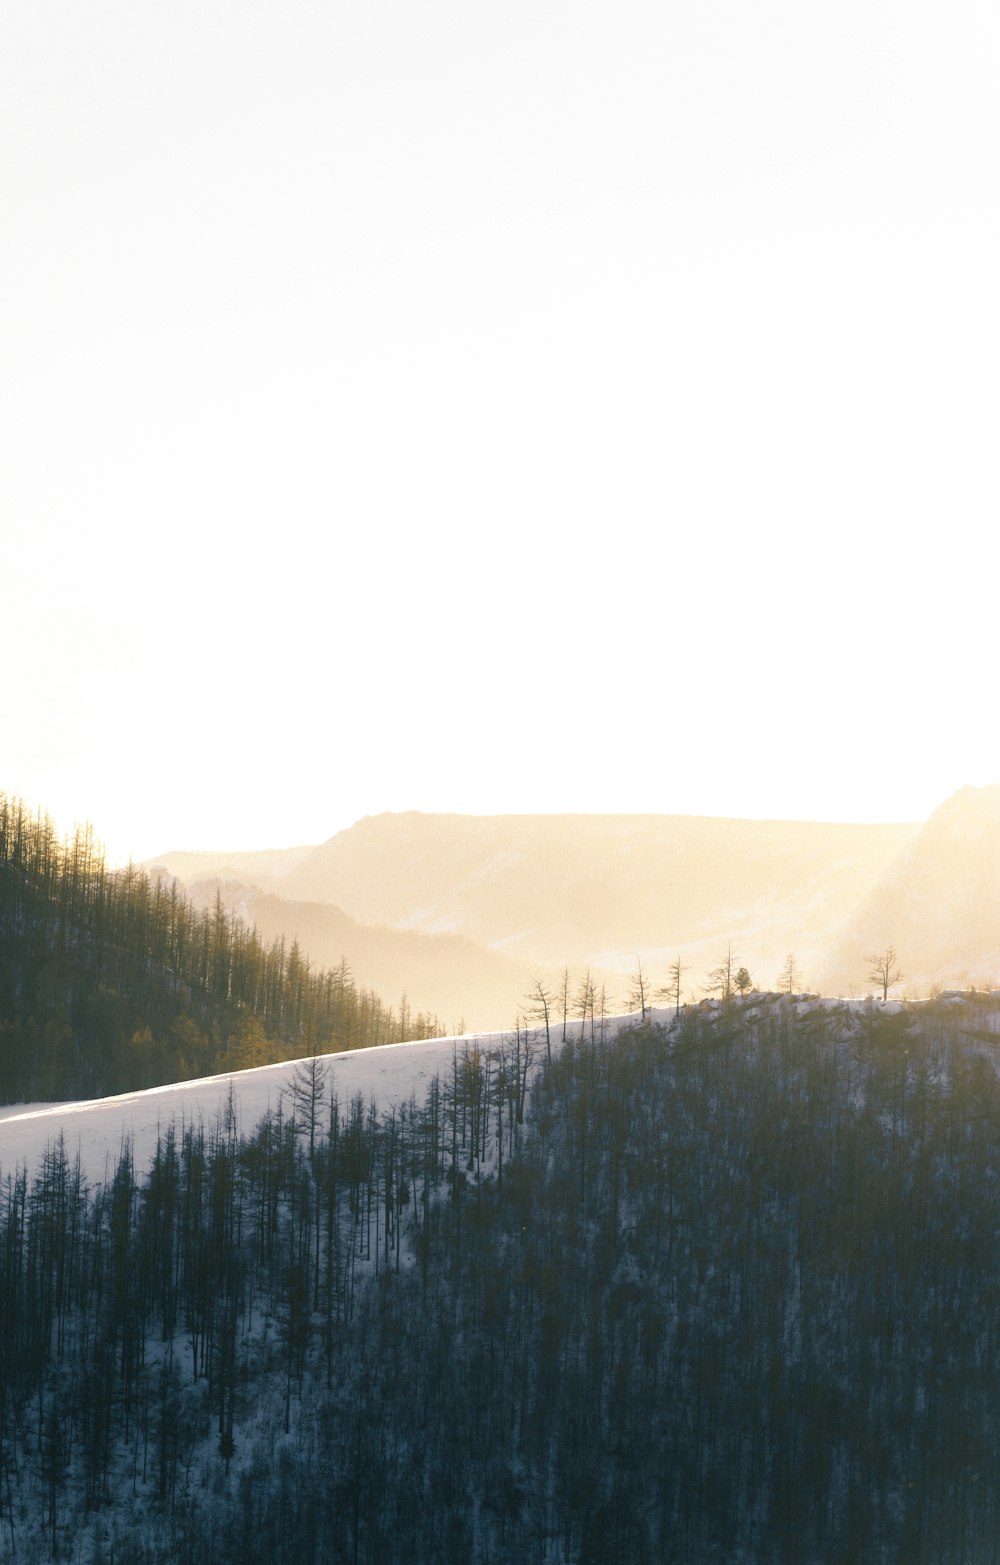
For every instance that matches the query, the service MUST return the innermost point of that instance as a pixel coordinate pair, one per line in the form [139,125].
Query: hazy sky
[496,407]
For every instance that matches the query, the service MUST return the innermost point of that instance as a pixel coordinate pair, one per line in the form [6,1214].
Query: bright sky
[496,407]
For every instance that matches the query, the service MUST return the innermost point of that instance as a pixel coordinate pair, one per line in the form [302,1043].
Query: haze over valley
[499,806]
[502,899]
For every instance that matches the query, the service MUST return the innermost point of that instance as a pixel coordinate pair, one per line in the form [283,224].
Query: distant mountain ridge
[597,883]
[590,891]
[601,891]
[258,867]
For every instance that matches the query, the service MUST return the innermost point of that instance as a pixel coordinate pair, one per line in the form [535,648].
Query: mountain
[937,903]
[600,892]
[597,890]
[441,975]
[265,867]
[594,891]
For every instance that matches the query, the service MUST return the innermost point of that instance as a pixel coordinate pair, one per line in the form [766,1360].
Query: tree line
[113,980]
[723,1290]
[159,1321]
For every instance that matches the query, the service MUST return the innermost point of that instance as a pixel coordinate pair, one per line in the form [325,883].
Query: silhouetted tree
[540,1001]
[789,979]
[672,991]
[639,991]
[883,970]
[720,979]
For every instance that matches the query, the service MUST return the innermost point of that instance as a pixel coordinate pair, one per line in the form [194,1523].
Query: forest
[723,1290]
[111,981]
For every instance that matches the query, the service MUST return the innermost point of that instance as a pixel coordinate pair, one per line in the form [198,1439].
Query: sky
[495,408]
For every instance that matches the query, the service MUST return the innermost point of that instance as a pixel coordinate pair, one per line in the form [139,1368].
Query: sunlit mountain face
[546,893]
[603,891]
[938,900]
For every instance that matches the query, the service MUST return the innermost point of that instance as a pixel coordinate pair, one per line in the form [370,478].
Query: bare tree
[308,1087]
[540,1006]
[672,990]
[605,1008]
[564,1000]
[639,997]
[882,969]
[586,1004]
[721,978]
[789,979]
[523,1057]
[405,1020]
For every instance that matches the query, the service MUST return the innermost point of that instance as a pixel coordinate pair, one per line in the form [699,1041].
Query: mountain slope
[600,891]
[938,903]
[98,1129]
[596,890]
[111,981]
[442,975]
[664,1306]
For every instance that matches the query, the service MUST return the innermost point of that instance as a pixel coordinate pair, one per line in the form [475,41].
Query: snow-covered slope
[98,1129]
[390,1075]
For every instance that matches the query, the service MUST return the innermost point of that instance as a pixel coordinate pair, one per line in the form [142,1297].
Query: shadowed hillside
[446,975]
[115,980]
[712,1291]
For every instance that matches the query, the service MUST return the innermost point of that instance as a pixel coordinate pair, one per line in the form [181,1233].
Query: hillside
[469,986]
[717,1290]
[596,891]
[113,980]
[938,902]
[95,1130]
[601,887]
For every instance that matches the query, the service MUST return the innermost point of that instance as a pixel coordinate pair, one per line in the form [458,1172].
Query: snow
[99,1128]
[15,1110]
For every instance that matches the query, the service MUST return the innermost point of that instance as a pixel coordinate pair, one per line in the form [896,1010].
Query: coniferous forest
[720,1291]
[111,981]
